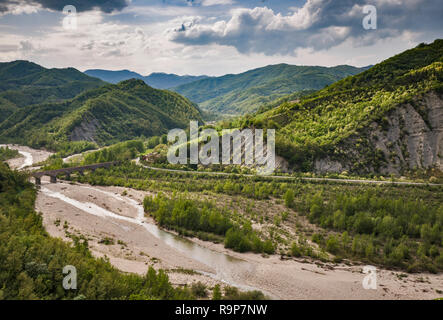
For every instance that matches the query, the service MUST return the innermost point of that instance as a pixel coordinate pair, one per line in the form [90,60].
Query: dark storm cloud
[106,6]
[318,24]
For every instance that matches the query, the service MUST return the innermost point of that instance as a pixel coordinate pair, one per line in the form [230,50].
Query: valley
[357,182]
[113,222]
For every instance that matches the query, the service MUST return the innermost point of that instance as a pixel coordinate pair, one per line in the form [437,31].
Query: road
[291,178]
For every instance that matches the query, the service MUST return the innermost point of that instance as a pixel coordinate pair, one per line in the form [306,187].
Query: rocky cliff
[409,137]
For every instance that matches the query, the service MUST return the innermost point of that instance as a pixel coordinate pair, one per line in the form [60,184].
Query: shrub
[199,290]
[216,293]
[295,250]
[289,198]
[332,244]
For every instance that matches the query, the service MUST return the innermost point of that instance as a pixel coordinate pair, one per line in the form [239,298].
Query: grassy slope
[242,93]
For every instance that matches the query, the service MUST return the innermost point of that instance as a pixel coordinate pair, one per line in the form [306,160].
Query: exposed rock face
[409,137]
[85,131]
[327,165]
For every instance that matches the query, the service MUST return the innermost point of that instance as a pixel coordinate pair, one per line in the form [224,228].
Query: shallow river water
[226,266]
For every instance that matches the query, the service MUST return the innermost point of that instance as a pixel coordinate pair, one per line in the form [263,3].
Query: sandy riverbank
[134,249]
[28,157]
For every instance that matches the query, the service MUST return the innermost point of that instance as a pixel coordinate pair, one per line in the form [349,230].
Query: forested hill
[104,115]
[244,93]
[387,119]
[24,83]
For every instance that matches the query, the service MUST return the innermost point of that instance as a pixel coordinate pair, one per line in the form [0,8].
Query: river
[287,279]
[224,264]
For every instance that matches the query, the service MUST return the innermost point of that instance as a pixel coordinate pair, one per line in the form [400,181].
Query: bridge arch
[67,171]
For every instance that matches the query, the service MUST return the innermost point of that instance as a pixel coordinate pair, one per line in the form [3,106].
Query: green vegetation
[216,293]
[119,152]
[103,116]
[245,92]
[32,262]
[205,220]
[332,121]
[6,153]
[73,147]
[199,290]
[357,222]
[232,293]
[398,232]
[122,151]
[24,83]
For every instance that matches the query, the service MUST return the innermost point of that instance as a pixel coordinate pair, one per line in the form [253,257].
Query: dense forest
[399,232]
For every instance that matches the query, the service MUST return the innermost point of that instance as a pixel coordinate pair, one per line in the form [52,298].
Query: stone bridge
[67,171]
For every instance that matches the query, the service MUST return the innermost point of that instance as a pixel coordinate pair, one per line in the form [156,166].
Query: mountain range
[384,119]
[156,80]
[245,92]
[54,107]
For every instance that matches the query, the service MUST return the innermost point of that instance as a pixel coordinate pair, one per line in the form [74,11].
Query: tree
[216,293]
[332,244]
[289,198]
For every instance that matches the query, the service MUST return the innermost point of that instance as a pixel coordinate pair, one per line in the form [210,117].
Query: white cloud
[212,40]
[318,24]
[17,8]
[207,3]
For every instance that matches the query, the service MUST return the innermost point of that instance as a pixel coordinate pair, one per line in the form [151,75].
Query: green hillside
[245,92]
[24,83]
[334,122]
[105,115]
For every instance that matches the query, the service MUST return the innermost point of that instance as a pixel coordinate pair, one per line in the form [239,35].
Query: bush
[289,198]
[332,245]
[295,250]
[216,293]
[199,290]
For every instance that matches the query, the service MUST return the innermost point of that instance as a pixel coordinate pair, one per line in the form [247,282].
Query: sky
[212,37]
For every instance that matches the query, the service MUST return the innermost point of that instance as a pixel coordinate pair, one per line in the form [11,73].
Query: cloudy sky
[212,37]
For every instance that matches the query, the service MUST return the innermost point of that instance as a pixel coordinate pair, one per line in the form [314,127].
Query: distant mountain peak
[132,83]
[158,80]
